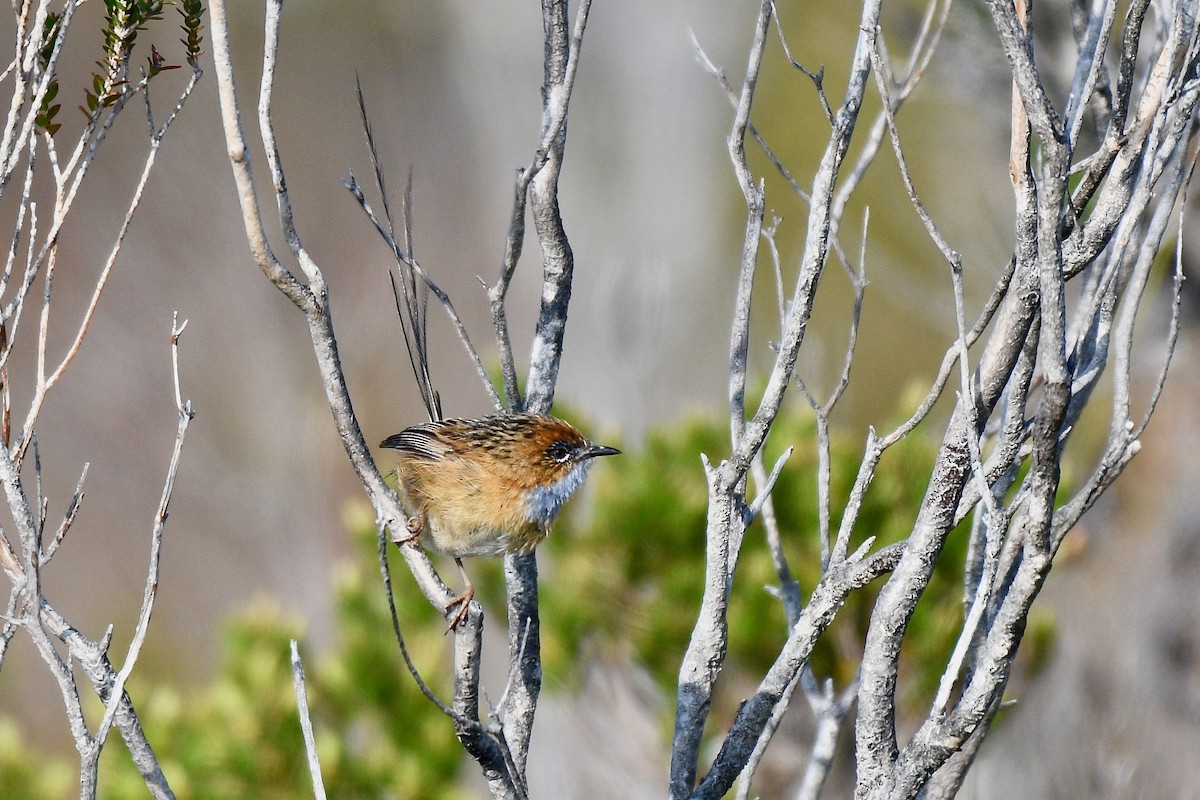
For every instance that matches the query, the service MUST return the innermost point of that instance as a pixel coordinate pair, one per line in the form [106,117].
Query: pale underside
[467,525]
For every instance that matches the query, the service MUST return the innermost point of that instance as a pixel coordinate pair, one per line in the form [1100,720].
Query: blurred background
[655,220]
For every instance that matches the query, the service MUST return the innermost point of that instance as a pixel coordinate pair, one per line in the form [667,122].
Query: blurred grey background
[654,217]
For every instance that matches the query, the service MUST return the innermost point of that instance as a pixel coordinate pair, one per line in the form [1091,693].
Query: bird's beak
[594,450]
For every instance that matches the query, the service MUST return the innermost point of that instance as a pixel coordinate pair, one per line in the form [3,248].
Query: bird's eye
[560,451]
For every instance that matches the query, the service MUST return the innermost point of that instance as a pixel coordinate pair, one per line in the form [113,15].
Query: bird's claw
[415,526]
[463,601]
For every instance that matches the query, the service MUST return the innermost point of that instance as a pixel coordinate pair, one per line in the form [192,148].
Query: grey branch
[310,742]
[1026,369]
[312,299]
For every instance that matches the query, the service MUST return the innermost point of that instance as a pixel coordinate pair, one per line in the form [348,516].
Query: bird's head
[559,458]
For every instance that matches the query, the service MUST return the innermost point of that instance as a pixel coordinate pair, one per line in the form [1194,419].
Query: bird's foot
[415,526]
[462,601]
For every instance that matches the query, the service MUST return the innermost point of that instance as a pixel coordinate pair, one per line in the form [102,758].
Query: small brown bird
[489,486]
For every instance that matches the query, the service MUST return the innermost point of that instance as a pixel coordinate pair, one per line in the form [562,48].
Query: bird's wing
[422,441]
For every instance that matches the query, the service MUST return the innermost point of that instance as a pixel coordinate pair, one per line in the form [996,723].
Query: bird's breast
[544,501]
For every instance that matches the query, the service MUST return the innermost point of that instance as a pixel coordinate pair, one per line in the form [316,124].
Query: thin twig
[730,94]
[1172,338]
[789,588]
[830,712]
[186,413]
[706,648]
[410,264]
[385,573]
[746,780]
[310,742]
[68,518]
[46,382]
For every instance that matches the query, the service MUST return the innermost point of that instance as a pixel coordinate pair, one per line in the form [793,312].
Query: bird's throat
[542,503]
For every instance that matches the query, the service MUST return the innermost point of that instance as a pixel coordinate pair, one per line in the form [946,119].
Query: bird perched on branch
[490,486]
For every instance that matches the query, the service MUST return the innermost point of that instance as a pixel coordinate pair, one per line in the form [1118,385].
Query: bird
[489,486]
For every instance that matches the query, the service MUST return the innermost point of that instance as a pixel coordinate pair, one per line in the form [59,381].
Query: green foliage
[239,736]
[123,20]
[236,738]
[25,777]
[48,109]
[192,12]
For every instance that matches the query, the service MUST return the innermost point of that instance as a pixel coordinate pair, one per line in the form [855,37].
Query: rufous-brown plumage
[489,486]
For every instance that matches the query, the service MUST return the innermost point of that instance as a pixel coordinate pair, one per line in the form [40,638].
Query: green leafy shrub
[239,736]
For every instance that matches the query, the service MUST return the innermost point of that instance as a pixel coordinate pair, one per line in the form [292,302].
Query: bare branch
[310,743]
[501,760]
[405,298]
[239,157]
[385,573]
[313,301]
[186,413]
[831,713]
[754,714]
[764,739]
[788,589]
[562,48]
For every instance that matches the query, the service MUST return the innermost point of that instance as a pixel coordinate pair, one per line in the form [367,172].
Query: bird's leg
[463,600]
[415,527]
